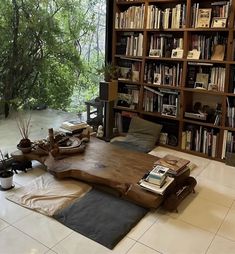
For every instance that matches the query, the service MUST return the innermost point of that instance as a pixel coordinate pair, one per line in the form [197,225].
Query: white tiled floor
[205,222]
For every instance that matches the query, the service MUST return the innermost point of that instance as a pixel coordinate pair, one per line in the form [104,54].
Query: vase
[6,179]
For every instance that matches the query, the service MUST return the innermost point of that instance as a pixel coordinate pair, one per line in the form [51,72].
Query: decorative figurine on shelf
[100,132]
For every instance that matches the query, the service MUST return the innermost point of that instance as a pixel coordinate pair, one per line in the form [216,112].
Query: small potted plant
[109,87]
[109,71]
[6,174]
[23,126]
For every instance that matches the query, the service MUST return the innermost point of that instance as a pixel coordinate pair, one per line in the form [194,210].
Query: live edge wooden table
[105,165]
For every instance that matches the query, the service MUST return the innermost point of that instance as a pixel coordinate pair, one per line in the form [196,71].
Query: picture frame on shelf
[200,85]
[155,52]
[202,78]
[218,22]
[124,73]
[212,87]
[194,54]
[177,53]
[169,110]
[204,18]
[157,79]
[135,77]
[163,138]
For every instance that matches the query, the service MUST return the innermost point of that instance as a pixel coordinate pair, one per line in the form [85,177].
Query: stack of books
[157,175]
[73,126]
[157,180]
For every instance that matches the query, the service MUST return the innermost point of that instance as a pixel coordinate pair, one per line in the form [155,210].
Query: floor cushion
[142,135]
[47,195]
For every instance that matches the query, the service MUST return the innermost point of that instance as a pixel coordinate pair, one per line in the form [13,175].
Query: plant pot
[25,145]
[25,142]
[6,179]
[24,149]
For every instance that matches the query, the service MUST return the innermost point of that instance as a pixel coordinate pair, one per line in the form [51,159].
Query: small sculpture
[100,132]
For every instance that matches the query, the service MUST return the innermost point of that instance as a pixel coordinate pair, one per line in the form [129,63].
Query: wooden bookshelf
[173,76]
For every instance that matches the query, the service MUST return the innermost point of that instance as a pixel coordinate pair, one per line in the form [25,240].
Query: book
[73,125]
[155,188]
[218,52]
[158,173]
[203,18]
[159,182]
[174,163]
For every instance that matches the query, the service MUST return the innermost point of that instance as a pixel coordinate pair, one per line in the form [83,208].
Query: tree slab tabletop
[108,165]
[106,160]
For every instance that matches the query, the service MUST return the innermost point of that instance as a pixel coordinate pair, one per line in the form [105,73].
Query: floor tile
[139,248]
[227,229]
[50,231]
[201,213]
[220,174]
[3,224]
[221,245]
[50,252]
[171,236]
[11,212]
[143,225]
[3,194]
[77,243]
[13,241]
[215,192]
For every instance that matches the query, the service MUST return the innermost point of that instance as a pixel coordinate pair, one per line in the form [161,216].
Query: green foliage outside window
[40,51]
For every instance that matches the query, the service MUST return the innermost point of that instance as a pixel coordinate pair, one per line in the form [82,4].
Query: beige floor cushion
[47,195]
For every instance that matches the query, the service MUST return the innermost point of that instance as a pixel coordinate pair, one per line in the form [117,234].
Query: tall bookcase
[164,80]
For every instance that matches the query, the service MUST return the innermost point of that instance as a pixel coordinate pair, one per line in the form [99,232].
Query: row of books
[206,45]
[200,139]
[168,18]
[161,45]
[231,88]
[160,101]
[130,44]
[218,13]
[231,112]
[199,75]
[133,17]
[163,173]
[228,143]
[174,17]
[163,74]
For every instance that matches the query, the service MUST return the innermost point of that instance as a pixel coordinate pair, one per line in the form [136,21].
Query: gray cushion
[142,135]
[139,125]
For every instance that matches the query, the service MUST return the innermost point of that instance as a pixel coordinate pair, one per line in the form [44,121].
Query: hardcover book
[218,52]
[154,187]
[175,164]
[203,18]
[73,125]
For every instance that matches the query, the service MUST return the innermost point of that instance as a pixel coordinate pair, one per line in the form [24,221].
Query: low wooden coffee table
[104,164]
